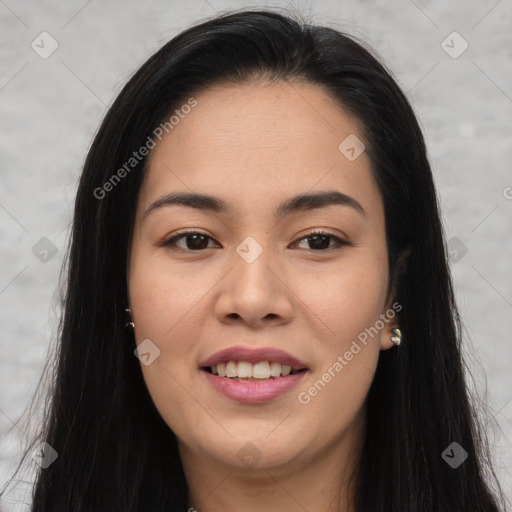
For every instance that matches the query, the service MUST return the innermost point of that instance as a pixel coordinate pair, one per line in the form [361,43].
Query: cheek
[348,298]
[168,310]
[163,297]
[347,302]
[166,306]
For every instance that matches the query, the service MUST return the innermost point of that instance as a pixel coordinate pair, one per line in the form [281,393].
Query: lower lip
[253,392]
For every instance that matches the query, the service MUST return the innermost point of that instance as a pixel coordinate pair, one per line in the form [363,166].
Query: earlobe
[130,322]
[396,337]
[391,337]
[392,334]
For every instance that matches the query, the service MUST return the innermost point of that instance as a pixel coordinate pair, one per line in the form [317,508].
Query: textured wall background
[52,104]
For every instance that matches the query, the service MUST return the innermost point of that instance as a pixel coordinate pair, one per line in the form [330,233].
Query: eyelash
[171,242]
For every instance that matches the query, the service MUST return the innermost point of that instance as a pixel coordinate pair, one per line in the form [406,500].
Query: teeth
[231,369]
[245,370]
[261,370]
[275,369]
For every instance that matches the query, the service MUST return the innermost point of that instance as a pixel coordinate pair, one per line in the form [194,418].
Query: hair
[115,452]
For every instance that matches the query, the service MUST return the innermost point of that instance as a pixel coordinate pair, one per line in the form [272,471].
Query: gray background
[51,108]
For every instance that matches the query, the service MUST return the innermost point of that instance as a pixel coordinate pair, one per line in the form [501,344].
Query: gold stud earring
[129,324]
[397,336]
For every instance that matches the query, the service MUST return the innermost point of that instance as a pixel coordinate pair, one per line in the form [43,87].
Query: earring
[129,324]
[397,336]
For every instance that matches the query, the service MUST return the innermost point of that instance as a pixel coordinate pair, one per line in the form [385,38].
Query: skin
[255,146]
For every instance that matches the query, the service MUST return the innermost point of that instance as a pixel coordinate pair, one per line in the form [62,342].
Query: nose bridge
[252,274]
[253,289]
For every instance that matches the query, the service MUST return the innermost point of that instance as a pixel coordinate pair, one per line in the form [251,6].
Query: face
[259,270]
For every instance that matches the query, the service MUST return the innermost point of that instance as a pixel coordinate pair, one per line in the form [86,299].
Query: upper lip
[253,355]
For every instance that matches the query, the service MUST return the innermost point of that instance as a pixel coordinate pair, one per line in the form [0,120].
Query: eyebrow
[298,203]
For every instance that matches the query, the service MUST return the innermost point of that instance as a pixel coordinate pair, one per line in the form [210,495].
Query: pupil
[197,243]
[315,239]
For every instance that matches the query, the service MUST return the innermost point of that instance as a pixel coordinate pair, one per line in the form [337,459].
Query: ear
[393,307]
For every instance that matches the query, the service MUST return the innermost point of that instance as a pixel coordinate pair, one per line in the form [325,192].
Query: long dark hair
[115,451]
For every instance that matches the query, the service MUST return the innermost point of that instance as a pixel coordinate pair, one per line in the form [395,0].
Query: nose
[255,294]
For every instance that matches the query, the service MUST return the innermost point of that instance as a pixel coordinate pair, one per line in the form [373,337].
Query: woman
[258,200]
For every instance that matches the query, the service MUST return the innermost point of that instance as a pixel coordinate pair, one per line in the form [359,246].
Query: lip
[252,392]
[253,356]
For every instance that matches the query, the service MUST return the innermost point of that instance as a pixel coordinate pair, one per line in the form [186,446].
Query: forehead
[258,143]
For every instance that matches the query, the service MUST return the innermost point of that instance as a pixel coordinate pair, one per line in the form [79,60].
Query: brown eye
[321,241]
[193,241]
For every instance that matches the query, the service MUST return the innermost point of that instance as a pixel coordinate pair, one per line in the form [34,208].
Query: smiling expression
[254,230]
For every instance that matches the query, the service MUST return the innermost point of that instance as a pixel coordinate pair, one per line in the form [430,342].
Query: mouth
[244,371]
[253,375]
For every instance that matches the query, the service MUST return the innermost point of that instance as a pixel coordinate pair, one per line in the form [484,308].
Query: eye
[321,241]
[193,241]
